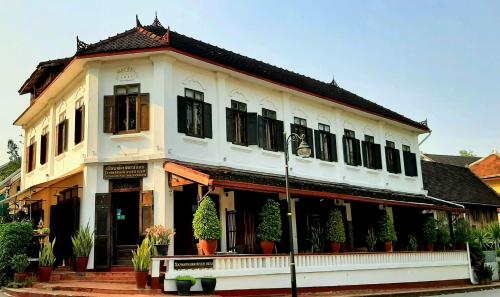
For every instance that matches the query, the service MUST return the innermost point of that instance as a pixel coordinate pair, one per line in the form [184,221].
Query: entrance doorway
[125,214]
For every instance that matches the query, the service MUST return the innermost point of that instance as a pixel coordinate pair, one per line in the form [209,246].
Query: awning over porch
[182,173]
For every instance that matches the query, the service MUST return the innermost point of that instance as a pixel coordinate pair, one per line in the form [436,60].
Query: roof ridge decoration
[156,21]
[164,39]
[137,22]
[80,45]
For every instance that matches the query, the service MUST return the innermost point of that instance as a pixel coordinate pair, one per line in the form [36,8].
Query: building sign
[193,264]
[125,170]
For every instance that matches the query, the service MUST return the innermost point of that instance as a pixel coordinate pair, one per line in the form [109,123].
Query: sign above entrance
[125,170]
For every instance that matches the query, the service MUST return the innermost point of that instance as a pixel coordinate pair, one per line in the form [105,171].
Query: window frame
[270,126]
[79,135]
[239,113]
[44,149]
[371,153]
[324,139]
[31,160]
[392,158]
[62,137]
[350,136]
[128,95]
[190,104]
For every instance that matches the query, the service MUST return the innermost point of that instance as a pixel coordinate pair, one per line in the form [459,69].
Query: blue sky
[435,60]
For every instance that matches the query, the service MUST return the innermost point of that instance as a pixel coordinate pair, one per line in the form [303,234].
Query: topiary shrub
[206,223]
[14,239]
[386,231]
[269,228]
[335,231]
[429,230]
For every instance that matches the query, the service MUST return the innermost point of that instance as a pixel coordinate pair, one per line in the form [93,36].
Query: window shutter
[364,147]
[280,136]
[181,115]
[357,152]
[207,120]
[34,156]
[43,149]
[109,114]
[143,112]
[310,141]
[294,143]
[229,125]
[252,132]
[102,235]
[333,147]
[317,144]
[344,146]
[78,127]
[413,162]
[410,164]
[378,156]
[82,137]
[56,149]
[146,211]
[66,126]
[397,160]
[260,131]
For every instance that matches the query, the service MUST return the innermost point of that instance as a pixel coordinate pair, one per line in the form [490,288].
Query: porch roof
[254,181]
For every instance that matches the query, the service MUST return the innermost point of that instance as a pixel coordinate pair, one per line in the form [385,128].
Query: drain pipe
[471,272]
[423,140]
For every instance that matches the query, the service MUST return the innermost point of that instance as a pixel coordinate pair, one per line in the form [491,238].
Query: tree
[466,153]
[13,151]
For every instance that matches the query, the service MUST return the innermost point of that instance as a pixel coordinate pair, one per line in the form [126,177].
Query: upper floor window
[44,146]
[79,122]
[270,131]
[126,111]
[299,127]
[392,158]
[371,153]
[62,135]
[352,154]
[325,142]
[31,154]
[241,126]
[194,117]
[409,161]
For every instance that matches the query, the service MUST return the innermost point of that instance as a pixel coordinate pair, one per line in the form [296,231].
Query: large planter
[388,247]
[208,284]
[161,249]
[81,264]
[141,279]
[20,276]
[461,246]
[430,247]
[335,247]
[183,287]
[267,247]
[44,273]
[209,247]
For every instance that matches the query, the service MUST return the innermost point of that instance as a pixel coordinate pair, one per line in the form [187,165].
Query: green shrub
[141,258]
[270,222]
[335,231]
[483,237]
[82,242]
[494,229]
[206,223]
[371,240]
[386,231]
[443,234]
[46,257]
[186,278]
[14,239]
[429,230]
[20,263]
[412,243]
[462,231]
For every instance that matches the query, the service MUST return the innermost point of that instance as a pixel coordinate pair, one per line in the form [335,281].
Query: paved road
[486,293]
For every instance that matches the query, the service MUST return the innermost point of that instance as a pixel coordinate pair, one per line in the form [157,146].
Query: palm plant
[494,229]
[483,237]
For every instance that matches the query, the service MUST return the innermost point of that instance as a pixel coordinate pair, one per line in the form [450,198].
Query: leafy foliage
[371,240]
[206,223]
[462,231]
[14,239]
[466,153]
[46,256]
[141,258]
[412,243]
[186,278]
[82,242]
[270,222]
[13,151]
[335,231]
[19,262]
[482,237]
[494,230]
[386,231]
[316,238]
[158,234]
[429,230]
[443,234]
[9,169]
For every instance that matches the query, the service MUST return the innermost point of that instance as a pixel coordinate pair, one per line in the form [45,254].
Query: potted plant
[160,237]
[46,260]
[335,232]
[316,238]
[462,233]
[371,240]
[141,260]
[208,284]
[443,234]
[19,264]
[269,229]
[184,284]
[206,226]
[429,232]
[412,243]
[82,245]
[386,232]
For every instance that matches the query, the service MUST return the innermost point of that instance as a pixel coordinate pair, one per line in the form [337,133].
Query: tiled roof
[487,167]
[456,184]
[453,160]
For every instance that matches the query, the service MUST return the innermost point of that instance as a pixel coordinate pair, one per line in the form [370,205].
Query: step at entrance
[123,254]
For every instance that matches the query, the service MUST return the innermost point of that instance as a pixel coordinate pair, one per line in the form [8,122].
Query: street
[486,293]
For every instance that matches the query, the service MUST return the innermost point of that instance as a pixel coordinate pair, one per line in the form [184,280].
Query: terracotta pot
[209,247]
[44,273]
[81,264]
[20,276]
[388,246]
[267,247]
[430,247]
[141,279]
[335,247]
[461,246]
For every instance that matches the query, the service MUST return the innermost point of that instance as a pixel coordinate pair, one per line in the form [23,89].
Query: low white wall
[323,270]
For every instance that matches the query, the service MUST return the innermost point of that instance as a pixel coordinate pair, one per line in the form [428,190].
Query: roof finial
[156,21]
[334,83]
[80,45]
[137,22]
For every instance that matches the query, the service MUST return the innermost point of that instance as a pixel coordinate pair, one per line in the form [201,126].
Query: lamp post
[304,151]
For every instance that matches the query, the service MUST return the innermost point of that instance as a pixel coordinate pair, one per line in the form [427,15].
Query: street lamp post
[304,151]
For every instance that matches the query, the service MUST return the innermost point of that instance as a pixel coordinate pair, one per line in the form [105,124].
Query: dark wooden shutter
[146,211]
[294,143]
[34,156]
[229,125]
[57,140]
[344,147]
[181,115]
[260,131]
[78,126]
[280,135]
[333,147]
[397,160]
[310,141]
[66,128]
[102,235]
[82,130]
[378,156]
[143,112]
[357,152]
[252,129]
[410,164]
[109,114]
[364,148]
[317,144]
[207,120]
[43,149]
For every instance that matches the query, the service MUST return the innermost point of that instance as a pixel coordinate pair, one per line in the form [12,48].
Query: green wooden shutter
[344,147]
[102,235]
[378,156]
[357,152]
[229,125]
[252,130]
[207,120]
[397,160]
[310,141]
[280,135]
[333,147]
[181,115]
[317,144]
[260,131]
[364,148]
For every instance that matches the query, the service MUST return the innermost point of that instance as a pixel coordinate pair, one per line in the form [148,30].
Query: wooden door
[102,236]
[146,215]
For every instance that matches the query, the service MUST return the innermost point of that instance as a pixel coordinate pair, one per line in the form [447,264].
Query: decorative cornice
[80,45]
